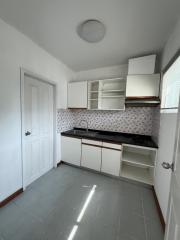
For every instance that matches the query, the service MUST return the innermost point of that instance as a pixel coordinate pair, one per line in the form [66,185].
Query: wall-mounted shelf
[113,90]
[109,94]
[118,96]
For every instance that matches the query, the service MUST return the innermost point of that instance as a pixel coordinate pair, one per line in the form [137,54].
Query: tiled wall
[65,120]
[132,120]
[156,124]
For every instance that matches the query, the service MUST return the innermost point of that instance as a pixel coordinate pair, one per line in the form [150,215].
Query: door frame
[26,72]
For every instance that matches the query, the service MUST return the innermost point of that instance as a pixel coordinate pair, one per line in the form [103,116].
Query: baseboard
[59,163]
[159,210]
[11,197]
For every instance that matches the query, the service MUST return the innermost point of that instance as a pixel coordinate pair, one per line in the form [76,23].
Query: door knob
[167,165]
[27,133]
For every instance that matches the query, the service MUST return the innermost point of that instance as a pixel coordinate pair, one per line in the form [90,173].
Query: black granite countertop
[113,137]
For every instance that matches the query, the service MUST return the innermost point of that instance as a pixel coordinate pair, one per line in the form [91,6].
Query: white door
[162,178]
[173,223]
[38,129]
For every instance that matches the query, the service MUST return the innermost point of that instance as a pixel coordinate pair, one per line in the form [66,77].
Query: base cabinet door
[91,157]
[111,161]
[71,150]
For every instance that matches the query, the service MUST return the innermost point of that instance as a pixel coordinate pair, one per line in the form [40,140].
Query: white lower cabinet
[91,157]
[71,150]
[111,161]
[132,162]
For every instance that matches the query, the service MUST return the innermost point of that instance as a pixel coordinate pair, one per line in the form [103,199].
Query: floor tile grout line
[32,216]
[139,206]
[144,218]
[3,237]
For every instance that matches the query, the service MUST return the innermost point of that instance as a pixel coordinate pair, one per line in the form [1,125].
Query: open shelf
[144,175]
[118,96]
[138,163]
[137,159]
[93,104]
[113,84]
[115,90]
[107,94]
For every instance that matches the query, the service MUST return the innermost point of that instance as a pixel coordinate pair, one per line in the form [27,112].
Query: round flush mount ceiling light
[91,30]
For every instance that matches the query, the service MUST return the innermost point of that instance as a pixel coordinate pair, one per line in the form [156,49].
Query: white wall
[172,45]
[16,51]
[166,148]
[102,73]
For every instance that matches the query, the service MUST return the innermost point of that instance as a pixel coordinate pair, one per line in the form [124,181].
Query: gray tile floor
[49,209]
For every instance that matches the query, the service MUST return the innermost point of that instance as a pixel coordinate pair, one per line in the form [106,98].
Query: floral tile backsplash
[65,120]
[132,120]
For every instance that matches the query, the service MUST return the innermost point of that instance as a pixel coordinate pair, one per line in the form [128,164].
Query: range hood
[142,102]
[142,90]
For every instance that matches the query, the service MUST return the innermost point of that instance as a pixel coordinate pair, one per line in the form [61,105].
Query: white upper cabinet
[146,85]
[77,94]
[107,94]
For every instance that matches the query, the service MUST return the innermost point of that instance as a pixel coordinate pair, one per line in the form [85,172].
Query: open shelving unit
[143,175]
[138,164]
[138,159]
[107,94]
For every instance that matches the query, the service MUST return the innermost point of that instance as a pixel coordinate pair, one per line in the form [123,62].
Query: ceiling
[133,27]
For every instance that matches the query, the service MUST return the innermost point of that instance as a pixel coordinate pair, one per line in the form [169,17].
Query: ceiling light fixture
[91,30]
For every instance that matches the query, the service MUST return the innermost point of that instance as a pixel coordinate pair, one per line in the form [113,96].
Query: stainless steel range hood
[142,102]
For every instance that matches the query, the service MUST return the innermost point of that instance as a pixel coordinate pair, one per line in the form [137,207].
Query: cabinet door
[77,95]
[142,85]
[111,161]
[71,150]
[91,157]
